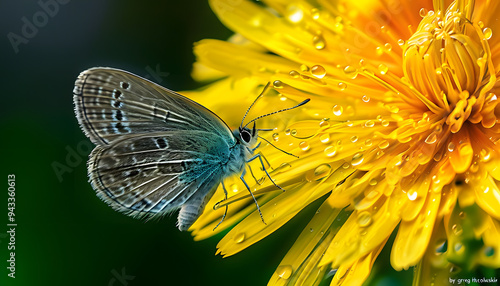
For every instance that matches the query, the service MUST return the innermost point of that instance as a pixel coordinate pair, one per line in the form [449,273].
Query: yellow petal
[413,236]
[488,196]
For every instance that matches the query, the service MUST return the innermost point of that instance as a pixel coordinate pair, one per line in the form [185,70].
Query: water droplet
[311,229]
[368,142]
[324,138]
[294,14]
[485,155]
[465,150]
[439,70]
[315,13]
[278,84]
[388,47]
[462,215]
[480,24]
[284,271]
[239,238]
[457,229]
[276,136]
[337,110]
[324,123]
[441,247]
[383,69]
[422,12]
[319,42]
[351,72]
[489,251]
[431,139]
[330,151]
[487,33]
[459,247]
[287,131]
[304,146]
[451,147]
[384,123]
[369,123]
[294,73]
[412,195]
[373,182]
[346,165]
[342,86]
[365,98]
[318,173]
[383,144]
[318,71]
[401,42]
[364,219]
[379,51]
[293,132]
[357,159]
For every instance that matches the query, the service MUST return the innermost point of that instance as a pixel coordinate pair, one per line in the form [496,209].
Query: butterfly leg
[225,212]
[255,200]
[254,178]
[259,156]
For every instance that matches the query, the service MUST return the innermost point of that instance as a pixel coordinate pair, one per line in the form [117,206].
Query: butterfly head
[246,136]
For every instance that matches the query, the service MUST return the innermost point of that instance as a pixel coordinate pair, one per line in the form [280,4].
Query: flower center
[448,60]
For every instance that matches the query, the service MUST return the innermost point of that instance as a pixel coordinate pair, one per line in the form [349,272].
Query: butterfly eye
[245,136]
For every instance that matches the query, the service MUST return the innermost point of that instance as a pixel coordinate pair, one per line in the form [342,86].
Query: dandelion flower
[400,135]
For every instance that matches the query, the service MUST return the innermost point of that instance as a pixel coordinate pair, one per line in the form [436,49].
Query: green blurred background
[65,234]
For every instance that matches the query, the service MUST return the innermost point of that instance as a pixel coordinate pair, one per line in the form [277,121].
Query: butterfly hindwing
[111,103]
[156,174]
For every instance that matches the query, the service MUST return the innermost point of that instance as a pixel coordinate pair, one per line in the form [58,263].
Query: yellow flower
[400,134]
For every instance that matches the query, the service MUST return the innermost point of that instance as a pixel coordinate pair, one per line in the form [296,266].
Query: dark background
[65,234]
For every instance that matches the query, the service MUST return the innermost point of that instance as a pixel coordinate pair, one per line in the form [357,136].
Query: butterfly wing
[157,173]
[157,151]
[111,103]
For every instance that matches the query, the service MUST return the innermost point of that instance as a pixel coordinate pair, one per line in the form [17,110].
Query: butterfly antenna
[253,103]
[277,147]
[278,111]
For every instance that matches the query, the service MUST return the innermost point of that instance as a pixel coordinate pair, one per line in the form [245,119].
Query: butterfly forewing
[157,150]
[111,103]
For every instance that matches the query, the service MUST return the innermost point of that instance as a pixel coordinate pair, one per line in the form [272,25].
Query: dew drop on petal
[330,151]
[357,159]
[324,123]
[276,136]
[462,215]
[294,73]
[431,139]
[346,165]
[239,238]
[384,123]
[318,71]
[383,144]
[294,14]
[318,173]
[351,72]
[401,42]
[364,219]
[342,86]
[368,142]
[278,84]
[489,251]
[319,42]
[422,12]
[284,271]
[369,123]
[487,33]
[365,98]
[372,182]
[412,195]
[441,246]
[388,47]
[457,229]
[337,110]
[459,247]
[287,131]
[451,146]
[383,69]
[324,138]
[304,146]
[315,13]
[354,139]
[293,132]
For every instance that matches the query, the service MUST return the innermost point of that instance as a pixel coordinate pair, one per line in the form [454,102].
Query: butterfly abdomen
[193,208]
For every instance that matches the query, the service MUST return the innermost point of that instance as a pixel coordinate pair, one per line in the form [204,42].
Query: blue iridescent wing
[158,173]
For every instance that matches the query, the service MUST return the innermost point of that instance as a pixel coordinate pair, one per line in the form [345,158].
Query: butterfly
[157,151]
